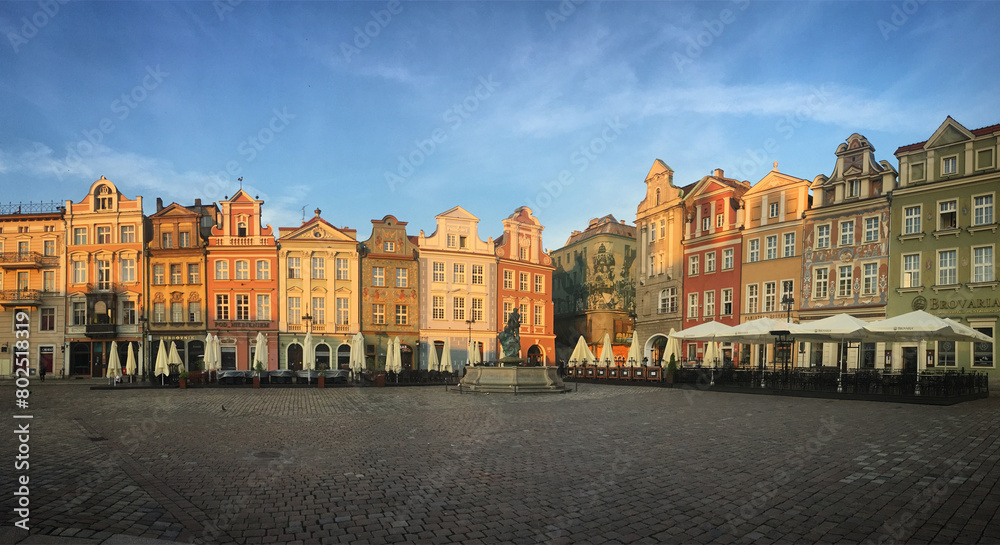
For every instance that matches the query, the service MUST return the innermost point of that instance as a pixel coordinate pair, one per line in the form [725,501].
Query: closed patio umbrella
[581,354]
[711,354]
[130,365]
[674,345]
[308,359]
[175,358]
[634,358]
[397,357]
[446,356]
[161,369]
[114,371]
[356,360]
[433,364]
[260,354]
[389,355]
[607,358]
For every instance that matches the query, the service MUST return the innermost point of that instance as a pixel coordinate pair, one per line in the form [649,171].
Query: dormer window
[103,198]
[241,229]
[854,188]
[949,165]
[772,210]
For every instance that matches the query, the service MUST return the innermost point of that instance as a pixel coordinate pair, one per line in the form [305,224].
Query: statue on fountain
[510,340]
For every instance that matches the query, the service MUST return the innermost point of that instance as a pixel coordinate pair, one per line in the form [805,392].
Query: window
[727,259]
[318,310]
[772,210]
[949,165]
[507,309]
[438,308]
[652,232]
[911,220]
[982,264]
[668,301]
[49,279]
[342,270]
[343,311]
[947,267]
[263,269]
[823,236]
[168,240]
[158,272]
[378,313]
[127,233]
[663,228]
[789,245]
[539,315]
[523,281]
[159,312]
[946,353]
[242,307]
[49,247]
[452,241]
[846,233]
[706,224]
[128,270]
[727,302]
[982,352]
[388,247]
[402,277]
[693,266]
[477,274]
[176,276]
[911,271]
[539,283]
[402,315]
[48,320]
[752,298]
[104,235]
[79,313]
[477,309]
[710,262]
[294,310]
[184,239]
[871,229]
[438,272]
[128,313]
[79,272]
[524,250]
[318,268]
[869,276]
[770,296]
[242,269]
[263,307]
[221,270]
[718,220]
[692,305]
[754,254]
[177,312]
[241,229]
[771,247]
[378,276]
[844,281]
[22,280]
[854,188]
[458,273]
[709,304]
[508,280]
[194,275]
[222,306]
[194,311]
[458,309]
[294,267]
[80,235]
[947,216]
[787,291]
[982,210]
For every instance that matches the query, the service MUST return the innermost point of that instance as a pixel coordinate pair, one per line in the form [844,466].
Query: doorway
[910,360]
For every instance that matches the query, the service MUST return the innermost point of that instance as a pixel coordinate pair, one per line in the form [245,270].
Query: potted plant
[182,380]
[258,369]
[671,368]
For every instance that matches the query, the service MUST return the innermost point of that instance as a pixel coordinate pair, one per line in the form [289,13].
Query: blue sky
[365,109]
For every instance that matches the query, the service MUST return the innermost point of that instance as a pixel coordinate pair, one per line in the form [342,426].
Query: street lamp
[308,318]
[469,322]
[788,301]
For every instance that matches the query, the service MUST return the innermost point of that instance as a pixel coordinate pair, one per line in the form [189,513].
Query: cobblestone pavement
[605,464]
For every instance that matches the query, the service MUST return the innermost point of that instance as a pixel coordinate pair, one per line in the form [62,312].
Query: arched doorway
[535,356]
[654,350]
[322,357]
[79,359]
[343,357]
[196,355]
[406,355]
[294,357]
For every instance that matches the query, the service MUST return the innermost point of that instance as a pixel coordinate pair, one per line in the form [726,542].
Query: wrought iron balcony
[21,297]
[24,260]
[106,287]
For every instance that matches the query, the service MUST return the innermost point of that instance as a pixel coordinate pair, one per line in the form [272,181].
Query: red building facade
[712,256]
[243,283]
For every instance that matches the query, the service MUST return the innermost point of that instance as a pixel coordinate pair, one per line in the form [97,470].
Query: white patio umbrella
[308,358]
[710,355]
[472,352]
[260,354]
[114,371]
[175,358]
[446,356]
[161,369]
[432,363]
[836,328]
[581,354]
[217,346]
[967,333]
[130,365]
[674,345]
[397,357]
[141,361]
[607,355]
[755,331]
[634,358]
[357,357]
[701,332]
[917,326]
[389,355]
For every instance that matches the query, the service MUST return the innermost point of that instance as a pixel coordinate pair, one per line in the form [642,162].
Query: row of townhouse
[868,240]
[100,271]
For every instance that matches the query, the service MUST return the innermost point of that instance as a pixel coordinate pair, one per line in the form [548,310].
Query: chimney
[159,204]
[718,173]
[197,202]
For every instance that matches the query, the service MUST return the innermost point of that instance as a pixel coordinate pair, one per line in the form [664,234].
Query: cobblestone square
[605,464]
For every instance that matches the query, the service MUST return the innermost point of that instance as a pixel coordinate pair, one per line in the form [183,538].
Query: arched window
[322,357]
[241,229]
[344,357]
[103,198]
[295,357]
[657,196]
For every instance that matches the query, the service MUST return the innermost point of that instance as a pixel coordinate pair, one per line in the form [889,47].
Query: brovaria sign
[964,305]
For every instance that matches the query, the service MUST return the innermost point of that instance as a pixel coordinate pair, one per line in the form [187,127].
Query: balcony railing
[25,259]
[106,287]
[21,297]
[101,330]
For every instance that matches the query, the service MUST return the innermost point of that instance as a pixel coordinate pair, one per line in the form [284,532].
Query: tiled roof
[978,132]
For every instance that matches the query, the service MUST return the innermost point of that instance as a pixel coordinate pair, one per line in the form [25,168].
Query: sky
[365,109]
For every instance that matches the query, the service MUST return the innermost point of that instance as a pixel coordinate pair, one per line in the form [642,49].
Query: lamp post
[788,301]
[469,322]
[308,319]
